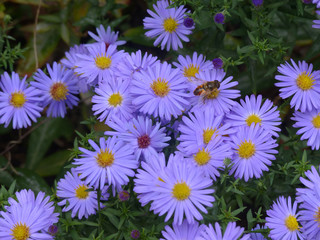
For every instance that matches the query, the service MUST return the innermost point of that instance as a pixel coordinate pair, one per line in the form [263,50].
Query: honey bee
[208,90]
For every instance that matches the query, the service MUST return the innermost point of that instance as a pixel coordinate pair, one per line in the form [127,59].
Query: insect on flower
[207,90]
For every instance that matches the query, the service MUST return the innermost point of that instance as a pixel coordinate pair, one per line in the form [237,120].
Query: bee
[207,90]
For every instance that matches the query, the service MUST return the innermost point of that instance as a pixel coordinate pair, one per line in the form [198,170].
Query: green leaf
[41,139]
[65,34]
[52,164]
[27,179]
[5,177]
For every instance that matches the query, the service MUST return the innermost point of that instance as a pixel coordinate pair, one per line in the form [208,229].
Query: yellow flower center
[105,158]
[59,91]
[160,87]
[305,81]
[292,223]
[17,99]
[190,71]
[81,192]
[317,216]
[181,191]
[316,121]
[170,25]
[246,149]
[103,62]
[207,134]
[202,157]
[253,118]
[115,99]
[20,232]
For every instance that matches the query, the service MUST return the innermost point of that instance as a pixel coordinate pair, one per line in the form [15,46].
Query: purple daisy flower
[100,64]
[219,18]
[217,63]
[199,129]
[110,163]
[75,196]
[147,178]
[134,62]
[219,100]
[309,124]
[253,111]
[257,236]
[113,99]
[107,37]
[317,22]
[189,67]
[310,183]
[182,192]
[19,102]
[70,62]
[210,158]
[123,195]
[231,232]
[300,82]
[185,231]
[254,150]
[58,89]
[159,91]
[140,135]
[167,25]
[27,218]
[310,213]
[283,220]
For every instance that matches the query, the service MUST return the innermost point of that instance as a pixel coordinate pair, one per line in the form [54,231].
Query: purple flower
[310,213]
[75,196]
[159,91]
[100,64]
[232,232]
[184,231]
[257,3]
[52,230]
[107,37]
[199,129]
[167,25]
[219,100]
[189,67]
[210,158]
[309,124]
[219,18]
[188,22]
[113,99]
[252,111]
[254,150]
[19,102]
[111,163]
[58,89]
[283,220]
[307,1]
[300,82]
[257,236]
[217,63]
[140,135]
[28,217]
[183,191]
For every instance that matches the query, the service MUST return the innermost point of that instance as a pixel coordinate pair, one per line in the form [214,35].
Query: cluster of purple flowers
[300,82]
[147,103]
